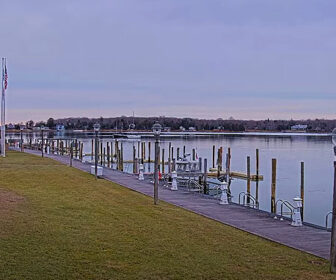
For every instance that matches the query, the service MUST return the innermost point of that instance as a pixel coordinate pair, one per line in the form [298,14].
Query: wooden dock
[309,239]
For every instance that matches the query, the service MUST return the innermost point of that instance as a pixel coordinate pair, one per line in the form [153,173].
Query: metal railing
[326,219]
[287,204]
[244,197]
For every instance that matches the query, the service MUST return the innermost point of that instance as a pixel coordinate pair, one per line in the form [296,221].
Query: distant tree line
[146,123]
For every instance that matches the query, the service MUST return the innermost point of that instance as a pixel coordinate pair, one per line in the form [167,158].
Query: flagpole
[3,134]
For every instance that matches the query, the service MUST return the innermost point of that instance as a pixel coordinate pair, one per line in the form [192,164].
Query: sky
[187,58]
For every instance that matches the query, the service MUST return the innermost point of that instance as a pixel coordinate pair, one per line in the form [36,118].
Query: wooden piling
[92,149]
[169,158]
[273,186]
[302,188]
[248,187]
[104,157]
[205,176]
[257,173]
[108,154]
[101,153]
[178,153]
[184,150]
[81,151]
[121,157]
[149,152]
[213,156]
[134,160]
[163,161]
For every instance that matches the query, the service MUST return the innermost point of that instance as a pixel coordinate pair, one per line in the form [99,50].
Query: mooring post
[184,151]
[111,153]
[71,154]
[205,175]
[76,150]
[257,173]
[193,154]
[134,155]
[177,153]
[108,153]
[248,163]
[156,170]
[149,155]
[101,153]
[302,188]
[213,156]
[121,157]
[273,186]
[333,229]
[92,150]
[138,149]
[169,158]
[104,154]
[163,161]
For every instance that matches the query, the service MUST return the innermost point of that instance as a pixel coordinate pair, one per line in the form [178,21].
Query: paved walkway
[305,238]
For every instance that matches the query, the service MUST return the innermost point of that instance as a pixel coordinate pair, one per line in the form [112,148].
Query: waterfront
[289,150]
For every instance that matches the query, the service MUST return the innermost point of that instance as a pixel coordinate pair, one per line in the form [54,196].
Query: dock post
[156,171]
[138,149]
[193,154]
[273,186]
[184,151]
[121,157]
[302,188]
[149,155]
[71,153]
[200,164]
[92,150]
[257,173]
[177,153]
[76,148]
[213,156]
[163,161]
[205,176]
[141,153]
[169,158]
[333,230]
[104,157]
[108,154]
[134,154]
[111,153]
[101,153]
[248,179]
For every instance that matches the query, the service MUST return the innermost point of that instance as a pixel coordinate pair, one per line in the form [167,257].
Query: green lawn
[60,223]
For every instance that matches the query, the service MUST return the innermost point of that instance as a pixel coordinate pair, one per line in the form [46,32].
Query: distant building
[10,126]
[60,127]
[191,128]
[182,128]
[166,129]
[299,127]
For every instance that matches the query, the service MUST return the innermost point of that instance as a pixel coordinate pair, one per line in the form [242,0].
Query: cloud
[115,57]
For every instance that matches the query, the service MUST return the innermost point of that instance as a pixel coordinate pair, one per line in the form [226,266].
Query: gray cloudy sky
[248,59]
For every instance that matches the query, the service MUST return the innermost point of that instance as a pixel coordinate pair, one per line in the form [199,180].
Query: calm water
[289,150]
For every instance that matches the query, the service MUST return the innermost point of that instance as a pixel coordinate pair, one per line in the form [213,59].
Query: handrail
[245,195]
[289,206]
[326,220]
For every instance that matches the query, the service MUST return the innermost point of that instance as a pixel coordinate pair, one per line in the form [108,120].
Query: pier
[305,238]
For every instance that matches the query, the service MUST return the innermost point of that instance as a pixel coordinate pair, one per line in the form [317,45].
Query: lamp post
[42,139]
[333,229]
[156,130]
[71,153]
[21,137]
[96,128]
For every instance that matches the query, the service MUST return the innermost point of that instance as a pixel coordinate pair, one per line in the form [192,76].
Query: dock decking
[309,239]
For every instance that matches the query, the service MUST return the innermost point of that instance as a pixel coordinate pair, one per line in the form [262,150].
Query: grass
[64,224]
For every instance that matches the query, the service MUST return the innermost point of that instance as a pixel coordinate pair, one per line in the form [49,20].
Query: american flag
[6,78]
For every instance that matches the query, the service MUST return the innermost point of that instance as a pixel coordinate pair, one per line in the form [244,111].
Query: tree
[50,123]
